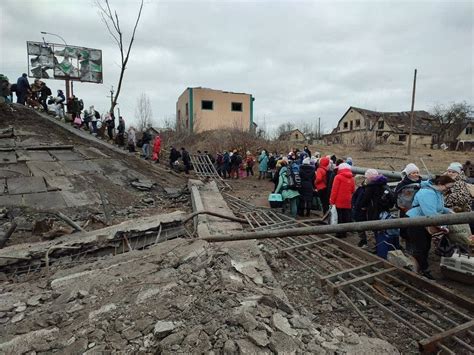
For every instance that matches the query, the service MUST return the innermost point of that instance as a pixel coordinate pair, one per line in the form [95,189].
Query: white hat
[343,166]
[306,161]
[371,174]
[410,168]
[457,167]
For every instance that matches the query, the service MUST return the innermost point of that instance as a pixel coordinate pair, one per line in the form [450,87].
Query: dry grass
[394,157]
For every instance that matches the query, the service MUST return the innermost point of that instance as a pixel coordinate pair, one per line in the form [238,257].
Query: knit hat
[349,161]
[371,174]
[457,167]
[410,168]
[306,161]
[343,166]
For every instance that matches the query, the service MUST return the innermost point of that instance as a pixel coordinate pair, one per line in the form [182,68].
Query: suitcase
[275,200]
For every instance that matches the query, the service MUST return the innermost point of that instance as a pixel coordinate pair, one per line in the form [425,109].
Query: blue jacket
[263,162]
[428,202]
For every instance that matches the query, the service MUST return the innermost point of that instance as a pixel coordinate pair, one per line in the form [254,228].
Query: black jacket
[185,157]
[146,138]
[307,180]
[174,155]
[372,195]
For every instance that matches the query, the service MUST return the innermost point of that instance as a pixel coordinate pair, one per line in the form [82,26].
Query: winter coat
[249,160]
[226,159]
[157,145]
[406,181]
[263,162]
[282,186]
[428,202]
[185,157]
[342,189]
[459,196]
[321,180]
[371,198]
[358,214]
[307,178]
[174,155]
[22,85]
[272,163]
[146,138]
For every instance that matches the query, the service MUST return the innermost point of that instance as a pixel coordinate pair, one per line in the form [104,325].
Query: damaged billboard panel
[61,61]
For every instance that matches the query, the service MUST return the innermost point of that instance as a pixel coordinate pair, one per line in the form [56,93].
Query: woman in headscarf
[458,197]
[306,190]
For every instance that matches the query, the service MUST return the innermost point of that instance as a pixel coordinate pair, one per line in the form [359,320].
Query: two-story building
[384,127]
[200,109]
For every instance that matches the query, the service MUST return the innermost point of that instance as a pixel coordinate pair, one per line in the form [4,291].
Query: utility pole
[319,128]
[412,114]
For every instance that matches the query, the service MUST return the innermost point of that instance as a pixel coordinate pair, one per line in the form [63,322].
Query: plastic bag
[333,217]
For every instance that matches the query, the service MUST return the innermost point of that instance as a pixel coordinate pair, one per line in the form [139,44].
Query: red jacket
[342,189]
[157,145]
[321,179]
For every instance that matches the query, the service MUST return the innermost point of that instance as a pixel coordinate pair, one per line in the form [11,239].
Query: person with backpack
[428,201]
[226,164]
[306,190]
[262,164]
[406,190]
[321,183]
[359,215]
[378,196]
[285,189]
[341,195]
[146,139]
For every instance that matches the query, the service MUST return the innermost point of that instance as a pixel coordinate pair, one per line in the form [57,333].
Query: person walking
[131,138]
[45,91]
[306,190]
[22,89]
[249,162]
[341,195]
[121,132]
[226,167]
[321,183]
[186,160]
[428,201]
[146,139]
[285,191]
[156,149]
[262,164]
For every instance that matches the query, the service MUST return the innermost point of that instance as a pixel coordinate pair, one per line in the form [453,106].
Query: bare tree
[112,22]
[143,112]
[283,128]
[450,119]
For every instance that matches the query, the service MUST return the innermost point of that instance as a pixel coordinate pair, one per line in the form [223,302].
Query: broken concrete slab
[14,170]
[11,200]
[8,158]
[32,341]
[82,166]
[25,185]
[34,155]
[48,168]
[42,201]
[66,155]
[7,142]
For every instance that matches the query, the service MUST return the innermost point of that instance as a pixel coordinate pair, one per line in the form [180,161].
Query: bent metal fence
[205,170]
[436,317]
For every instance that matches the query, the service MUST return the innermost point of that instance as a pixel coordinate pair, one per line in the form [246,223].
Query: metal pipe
[445,219]
[387,173]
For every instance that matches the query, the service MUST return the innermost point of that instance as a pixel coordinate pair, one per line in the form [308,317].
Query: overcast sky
[300,59]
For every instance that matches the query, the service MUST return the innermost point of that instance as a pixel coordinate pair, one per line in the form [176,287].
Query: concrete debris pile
[181,296]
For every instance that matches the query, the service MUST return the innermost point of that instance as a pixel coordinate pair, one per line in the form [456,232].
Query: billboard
[61,61]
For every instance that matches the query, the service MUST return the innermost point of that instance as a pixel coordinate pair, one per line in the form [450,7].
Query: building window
[380,124]
[402,138]
[468,130]
[207,105]
[357,123]
[345,125]
[351,126]
[236,106]
[296,135]
[187,109]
